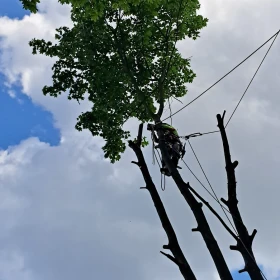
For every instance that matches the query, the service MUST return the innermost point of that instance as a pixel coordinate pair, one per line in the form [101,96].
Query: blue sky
[241,276]
[12,9]
[19,117]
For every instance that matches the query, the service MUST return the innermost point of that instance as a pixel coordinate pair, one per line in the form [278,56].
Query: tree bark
[196,207]
[173,244]
[244,244]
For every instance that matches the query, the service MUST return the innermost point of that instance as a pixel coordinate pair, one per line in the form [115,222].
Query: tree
[123,54]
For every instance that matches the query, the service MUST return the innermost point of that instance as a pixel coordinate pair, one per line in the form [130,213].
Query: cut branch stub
[171,258]
[252,236]
[242,270]
[223,116]
[234,248]
[234,164]
[135,162]
[224,201]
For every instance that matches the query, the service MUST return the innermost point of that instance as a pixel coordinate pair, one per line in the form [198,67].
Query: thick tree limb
[203,226]
[173,244]
[244,245]
[214,212]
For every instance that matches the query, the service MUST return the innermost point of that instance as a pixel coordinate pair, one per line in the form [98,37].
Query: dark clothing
[174,150]
[173,145]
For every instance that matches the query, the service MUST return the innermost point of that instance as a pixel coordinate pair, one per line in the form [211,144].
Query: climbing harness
[177,152]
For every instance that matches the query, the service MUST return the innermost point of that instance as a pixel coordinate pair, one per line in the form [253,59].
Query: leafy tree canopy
[123,54]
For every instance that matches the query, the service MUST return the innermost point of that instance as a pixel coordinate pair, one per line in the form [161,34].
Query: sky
[67,213]
[17,109]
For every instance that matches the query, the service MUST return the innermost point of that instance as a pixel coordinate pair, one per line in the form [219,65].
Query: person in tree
[172,141]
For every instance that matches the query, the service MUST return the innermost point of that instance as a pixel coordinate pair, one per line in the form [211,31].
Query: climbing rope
[215,131]
[253,78]
[162,184]
[275,35]
[216,197]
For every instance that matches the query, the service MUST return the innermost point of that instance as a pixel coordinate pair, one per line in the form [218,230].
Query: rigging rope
[203,185]
[233,227]
[211,185]
[224,75]
[253,78]
[162,186]
[211,132]
[215,131]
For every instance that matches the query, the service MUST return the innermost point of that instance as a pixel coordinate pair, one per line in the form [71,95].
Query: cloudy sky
[66,213]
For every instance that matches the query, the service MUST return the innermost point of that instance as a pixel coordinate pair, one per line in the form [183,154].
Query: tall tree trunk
[244,244]
[196,207]
[173,245]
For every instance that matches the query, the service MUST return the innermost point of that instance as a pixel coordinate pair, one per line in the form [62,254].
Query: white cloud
[12,93]
[70,213]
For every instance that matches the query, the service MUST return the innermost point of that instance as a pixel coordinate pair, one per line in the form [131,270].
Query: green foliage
[145,142]
[123,55]
[30,5]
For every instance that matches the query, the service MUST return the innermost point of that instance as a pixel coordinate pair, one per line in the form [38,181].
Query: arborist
[172,140]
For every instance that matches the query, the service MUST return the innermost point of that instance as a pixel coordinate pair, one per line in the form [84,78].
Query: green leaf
[122,55]
[30,5]
[144,142]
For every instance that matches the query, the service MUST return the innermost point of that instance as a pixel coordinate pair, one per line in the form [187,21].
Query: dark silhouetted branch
[242,270]
[195,206]
[245,242]
[173,244]
[214,212]
[170,257]
[140,132]
[252,236]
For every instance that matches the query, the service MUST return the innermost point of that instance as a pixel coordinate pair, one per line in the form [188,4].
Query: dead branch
[195,206]
[244,245]
[214,212]
[173,244]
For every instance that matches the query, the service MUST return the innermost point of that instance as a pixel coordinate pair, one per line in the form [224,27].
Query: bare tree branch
[177,99]
[214,212]
[244,245]
[173,244]
[171,258]
[196,207]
